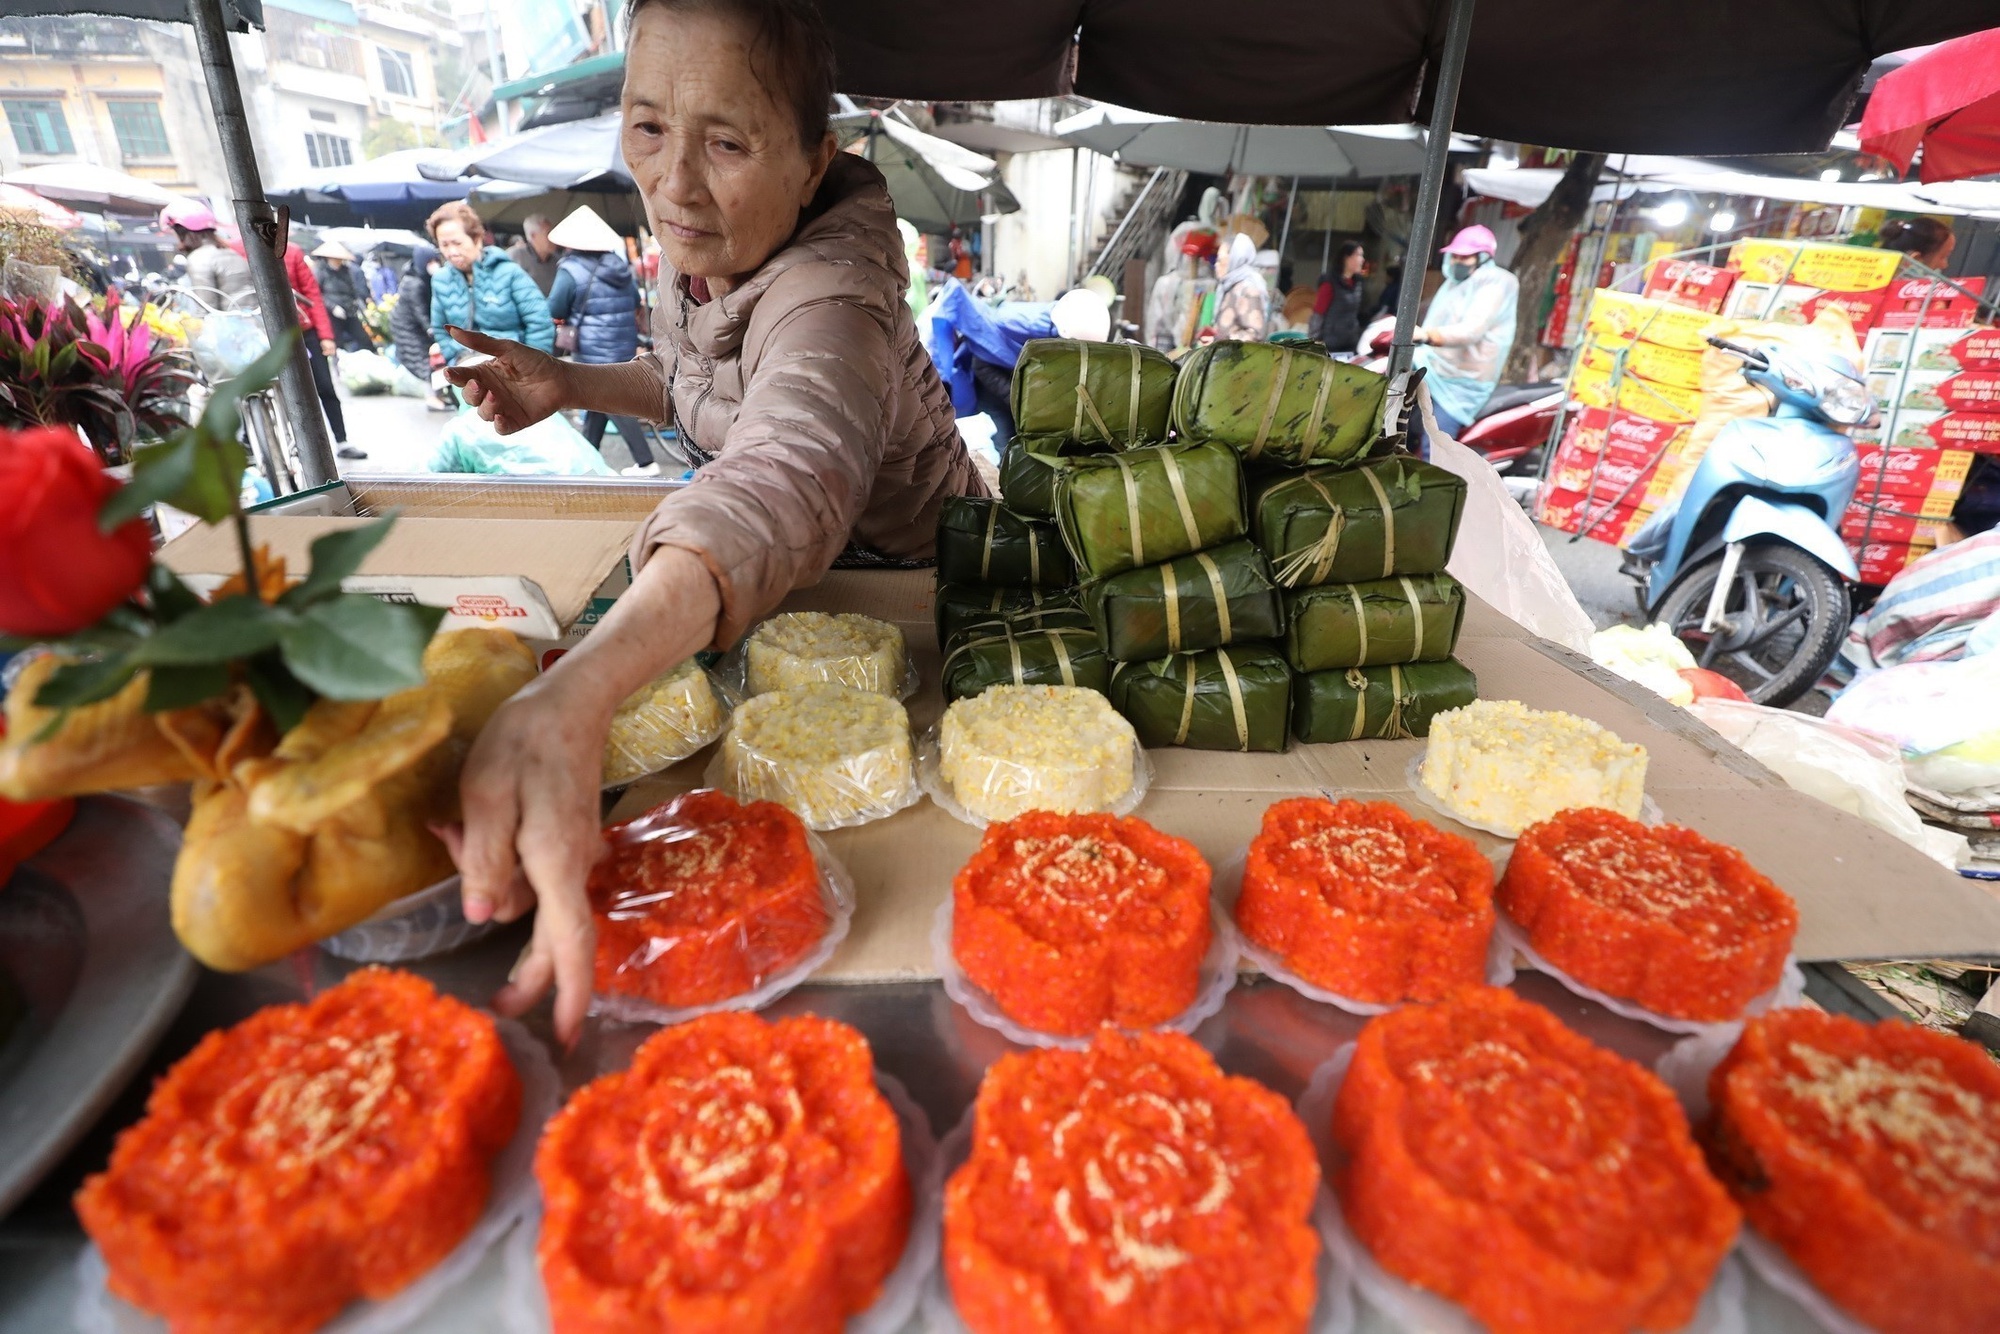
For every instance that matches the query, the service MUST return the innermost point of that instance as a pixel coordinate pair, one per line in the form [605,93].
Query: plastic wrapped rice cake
[664,721]
[1036,748]
[833,755]
[802,647]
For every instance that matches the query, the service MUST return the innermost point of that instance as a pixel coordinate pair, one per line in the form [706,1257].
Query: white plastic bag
[1651,656]
[1848,770]
[1499,555]
[1945,716]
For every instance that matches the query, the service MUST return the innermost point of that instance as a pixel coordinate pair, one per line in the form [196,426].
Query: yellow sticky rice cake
[832,754]
[1014,749]
[666,720]
[803,647]
[1502,764]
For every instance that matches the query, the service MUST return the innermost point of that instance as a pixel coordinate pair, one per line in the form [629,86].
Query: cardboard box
[1974,391]
[1936,349]
[1914,473]
[1593,387]
[1569,511]
[1683,282]
[1861,524]
[1932,304]
[547,580]
[1913,428]
[1620,317]
[1789,282]
[1882,561]
[1674,366]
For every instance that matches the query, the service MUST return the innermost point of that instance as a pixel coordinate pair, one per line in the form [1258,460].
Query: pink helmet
[1473,240]
[188,214]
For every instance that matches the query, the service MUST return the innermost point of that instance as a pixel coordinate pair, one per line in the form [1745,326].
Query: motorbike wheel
[1783,625]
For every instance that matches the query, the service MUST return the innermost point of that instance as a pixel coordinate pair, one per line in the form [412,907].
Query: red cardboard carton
[1686,283]
[1906,307]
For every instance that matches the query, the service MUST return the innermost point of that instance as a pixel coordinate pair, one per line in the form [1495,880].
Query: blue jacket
[510,305]
[602,281]
[962,329]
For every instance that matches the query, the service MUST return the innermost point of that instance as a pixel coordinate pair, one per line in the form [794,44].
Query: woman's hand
[530,793]
[514,390]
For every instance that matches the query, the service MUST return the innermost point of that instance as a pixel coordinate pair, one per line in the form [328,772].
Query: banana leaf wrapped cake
[1052,657]
[961,606]
[1396,515]
[1392,702]
[983,542]
[1409,618]
[1278,401]
[1235,698]
[1029,468]
[1122,511]
[1117,394]
[1205,600]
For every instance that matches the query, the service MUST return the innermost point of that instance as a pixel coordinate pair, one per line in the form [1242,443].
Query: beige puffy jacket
[823,414]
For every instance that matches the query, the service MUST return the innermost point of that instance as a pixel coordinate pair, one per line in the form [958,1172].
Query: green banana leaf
[1378,702]
[1026,658]
[1235,698]
[1281,401]
[959,606]
[1144,506]
[1410,618]
[1201,601]
[1396,515]
[1117,394]
[1029,467]
[1026,620]
[983,542]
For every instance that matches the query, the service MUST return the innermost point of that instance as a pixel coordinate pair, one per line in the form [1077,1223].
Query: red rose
[58,574]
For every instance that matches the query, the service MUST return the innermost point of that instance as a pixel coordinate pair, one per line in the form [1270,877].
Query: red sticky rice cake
[1073,921]
[308,1156]
[1659,916]
[1871,1154]
[743,1177]
[1131,1188]
[1366,901]
[1544,1184]
[702,899]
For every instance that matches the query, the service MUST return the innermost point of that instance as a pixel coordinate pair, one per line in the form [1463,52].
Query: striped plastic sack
[1145,506]
[1283,402]
[1393,516]
[1117,394]
[1406,618]
[960,606]
[1198,602]
[1235,698]
[1391,703]
[1055,657]
[983,542]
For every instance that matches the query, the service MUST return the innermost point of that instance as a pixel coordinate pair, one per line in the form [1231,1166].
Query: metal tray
[87,942]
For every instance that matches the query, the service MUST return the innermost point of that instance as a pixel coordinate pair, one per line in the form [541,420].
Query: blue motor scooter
[1749,568]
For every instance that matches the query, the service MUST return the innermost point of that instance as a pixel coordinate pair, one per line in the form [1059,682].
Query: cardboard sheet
[1861,893]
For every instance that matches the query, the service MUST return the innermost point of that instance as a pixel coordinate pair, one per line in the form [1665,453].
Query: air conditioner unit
[383,106]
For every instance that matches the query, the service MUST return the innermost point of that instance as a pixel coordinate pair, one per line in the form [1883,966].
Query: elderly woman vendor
[787,355]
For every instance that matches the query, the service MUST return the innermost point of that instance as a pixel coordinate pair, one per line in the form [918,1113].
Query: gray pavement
[1591,567]
[401,433]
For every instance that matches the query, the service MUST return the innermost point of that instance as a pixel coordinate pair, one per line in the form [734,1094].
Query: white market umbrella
[81,183]
[1312,152]
[936,184]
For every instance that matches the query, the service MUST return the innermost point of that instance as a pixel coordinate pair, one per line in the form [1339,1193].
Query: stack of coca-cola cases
[1630,441]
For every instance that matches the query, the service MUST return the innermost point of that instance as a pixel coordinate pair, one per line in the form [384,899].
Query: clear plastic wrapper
[663,722]
[1687,1064]
[835,756]
[526,1308]
[1790,991]
[1229,883]
[773,949]
[513,1196]
[1769,1262]
[1335,1312]
[1409,1309]
[798,648]
[1003,764]
[1218,975]
[1649,810]
[416,926]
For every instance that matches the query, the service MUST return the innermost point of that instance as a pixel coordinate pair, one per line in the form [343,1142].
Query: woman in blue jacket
[479,288]
[595,295]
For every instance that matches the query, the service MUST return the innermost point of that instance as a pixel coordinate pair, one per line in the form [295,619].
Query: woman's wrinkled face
[457,247]
[715,153]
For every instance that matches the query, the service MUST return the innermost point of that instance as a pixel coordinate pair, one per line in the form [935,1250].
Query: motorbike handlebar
[1749,354]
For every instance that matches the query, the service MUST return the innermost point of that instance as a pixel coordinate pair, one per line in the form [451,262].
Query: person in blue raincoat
[1468,331]
[975,346]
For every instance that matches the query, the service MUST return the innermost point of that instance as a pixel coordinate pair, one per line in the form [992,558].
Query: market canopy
[936,184]
[15,199]
[237,15]
[1662,175]
[1316,152]
[86,185]
[1946,101]
[385,191]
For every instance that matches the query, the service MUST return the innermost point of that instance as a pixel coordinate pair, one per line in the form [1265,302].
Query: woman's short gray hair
[791,50]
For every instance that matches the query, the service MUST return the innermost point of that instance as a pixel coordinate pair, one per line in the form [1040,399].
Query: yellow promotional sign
[1620,317]
[1830,268]
[1591,386]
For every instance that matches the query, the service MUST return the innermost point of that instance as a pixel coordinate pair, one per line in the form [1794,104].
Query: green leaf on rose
[158,472]
[356,647]
[183,687]
[284,698]
[171,598]
[335,556]
[75,684]
[217,632]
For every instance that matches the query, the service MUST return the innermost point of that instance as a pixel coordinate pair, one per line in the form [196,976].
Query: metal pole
[260,233]
[1430,193]
[1285,233]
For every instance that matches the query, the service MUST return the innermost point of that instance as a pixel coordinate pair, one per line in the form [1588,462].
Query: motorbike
[1748,569]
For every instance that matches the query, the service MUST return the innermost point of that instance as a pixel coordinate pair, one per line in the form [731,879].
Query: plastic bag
[1945,717]
[367,373]
[797,648]
[764,949]
[1848,770]
[549,448]
[416,926]
[663,722]
[1006,789]
[1650,656]
[834,756]
[226,342]
[1499,555]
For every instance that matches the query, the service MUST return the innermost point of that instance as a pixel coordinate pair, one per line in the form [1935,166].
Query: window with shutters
[329,150]
[39,127]
[141,133]
[399,77]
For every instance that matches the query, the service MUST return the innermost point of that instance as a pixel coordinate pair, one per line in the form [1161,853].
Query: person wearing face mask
[1463,342]
[787,357]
